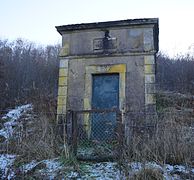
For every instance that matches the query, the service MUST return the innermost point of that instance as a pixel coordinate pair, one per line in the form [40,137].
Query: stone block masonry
[125,48]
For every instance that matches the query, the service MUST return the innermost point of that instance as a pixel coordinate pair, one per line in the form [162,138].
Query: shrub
[148,174]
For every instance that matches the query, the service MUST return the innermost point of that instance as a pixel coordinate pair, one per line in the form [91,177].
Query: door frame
[103,69]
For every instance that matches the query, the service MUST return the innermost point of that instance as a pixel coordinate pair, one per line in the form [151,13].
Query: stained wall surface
[124,47]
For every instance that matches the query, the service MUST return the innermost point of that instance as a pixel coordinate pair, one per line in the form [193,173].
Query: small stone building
[108,65]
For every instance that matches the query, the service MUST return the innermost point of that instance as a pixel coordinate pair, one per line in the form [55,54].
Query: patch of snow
[15,114]
[29,166]
[12,116]
[136,166]
[6,161]
[52,165]
[192,170]
[169,171]
[73,175]
[169,168]
[104,171]
[86,151]
[51,169]
[180,168]
[154,165]
[11,175]
[98,171]
[110,170]
[4,133]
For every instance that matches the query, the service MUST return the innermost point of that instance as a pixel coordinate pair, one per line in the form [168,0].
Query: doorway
[105,95]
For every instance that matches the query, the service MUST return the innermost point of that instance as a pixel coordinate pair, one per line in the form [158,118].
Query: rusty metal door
[105,95]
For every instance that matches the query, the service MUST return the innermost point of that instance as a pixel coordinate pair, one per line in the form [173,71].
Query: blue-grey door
[105,95]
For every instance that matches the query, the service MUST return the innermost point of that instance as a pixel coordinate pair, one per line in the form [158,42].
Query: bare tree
[31,71]
[175,74]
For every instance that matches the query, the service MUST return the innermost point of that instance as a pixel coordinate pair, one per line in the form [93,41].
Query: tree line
[30,71]
[175,74]
[27,71]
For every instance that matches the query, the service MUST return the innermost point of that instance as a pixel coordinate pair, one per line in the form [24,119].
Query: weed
[71,161]
[148,174]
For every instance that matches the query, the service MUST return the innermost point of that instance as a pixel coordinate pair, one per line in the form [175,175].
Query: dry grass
[35,139]
[148,174]
[36,135]
[171,140]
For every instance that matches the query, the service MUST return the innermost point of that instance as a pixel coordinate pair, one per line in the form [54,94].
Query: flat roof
[108,24]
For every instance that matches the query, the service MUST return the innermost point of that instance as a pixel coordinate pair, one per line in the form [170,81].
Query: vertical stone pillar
[150,90]
[62,89]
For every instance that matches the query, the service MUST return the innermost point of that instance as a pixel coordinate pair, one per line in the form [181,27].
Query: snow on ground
[52,168]
[11,117]
[29,166]
[105,170]
[170,172]
[51,165]
[110,170]
[11,120]
[6,162]
[98,171]
[15,114]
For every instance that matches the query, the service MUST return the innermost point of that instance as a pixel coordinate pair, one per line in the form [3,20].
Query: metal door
[105,95]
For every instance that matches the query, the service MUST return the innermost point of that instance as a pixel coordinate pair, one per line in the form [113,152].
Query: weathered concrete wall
[135,39]
[130,52]
[134,83]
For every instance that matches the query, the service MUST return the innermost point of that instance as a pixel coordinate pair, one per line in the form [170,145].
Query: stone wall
[126,47]
[133,39]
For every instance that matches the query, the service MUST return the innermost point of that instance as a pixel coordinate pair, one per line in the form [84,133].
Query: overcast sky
[35,20]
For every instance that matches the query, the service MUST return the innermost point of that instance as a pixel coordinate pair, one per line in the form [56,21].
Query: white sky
[35,20]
